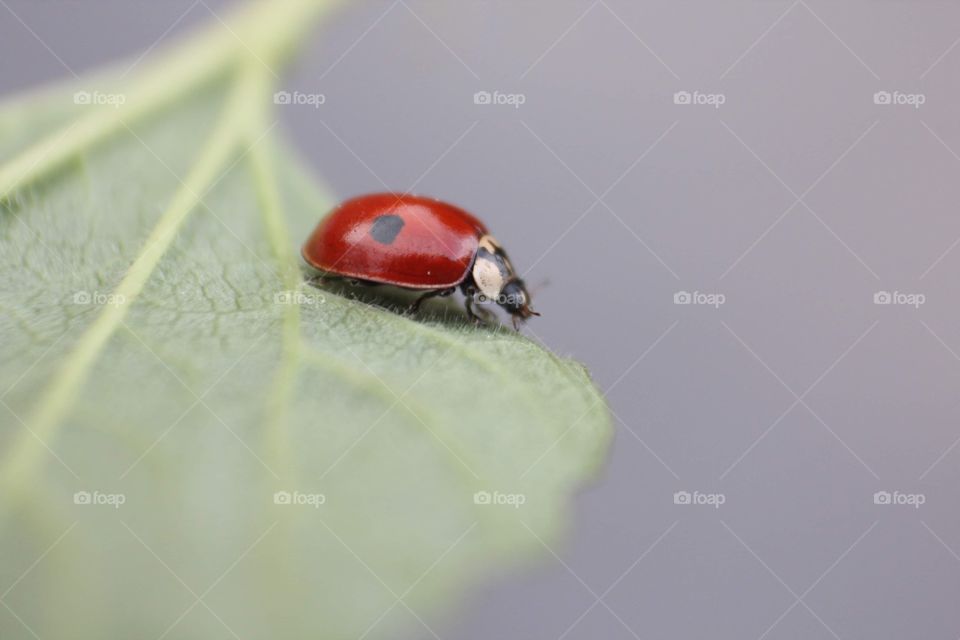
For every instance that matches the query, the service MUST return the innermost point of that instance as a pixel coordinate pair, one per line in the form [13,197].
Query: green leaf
[169,380]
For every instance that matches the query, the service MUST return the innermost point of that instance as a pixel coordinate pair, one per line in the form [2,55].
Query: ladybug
[417,243]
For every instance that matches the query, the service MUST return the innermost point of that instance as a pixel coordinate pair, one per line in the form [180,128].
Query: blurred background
[746,212]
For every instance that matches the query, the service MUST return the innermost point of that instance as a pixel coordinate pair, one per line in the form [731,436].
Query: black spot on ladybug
[386,228]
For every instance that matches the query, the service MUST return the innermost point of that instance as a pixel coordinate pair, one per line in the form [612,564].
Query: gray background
[797,199]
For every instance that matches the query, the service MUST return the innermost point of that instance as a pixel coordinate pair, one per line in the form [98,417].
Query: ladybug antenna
[534,290]
[522,315]
[540,286]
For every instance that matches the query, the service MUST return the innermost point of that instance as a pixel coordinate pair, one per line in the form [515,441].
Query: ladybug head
[516,300]
[495,279]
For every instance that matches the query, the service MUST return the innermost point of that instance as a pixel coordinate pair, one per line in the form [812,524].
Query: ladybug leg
[478,315]
[356,282]
[468,303]
[319,280]
[441,293]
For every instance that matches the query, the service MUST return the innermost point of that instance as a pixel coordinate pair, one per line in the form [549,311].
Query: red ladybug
[417,243]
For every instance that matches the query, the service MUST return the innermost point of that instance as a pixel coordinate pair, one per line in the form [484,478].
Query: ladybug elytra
[417,243]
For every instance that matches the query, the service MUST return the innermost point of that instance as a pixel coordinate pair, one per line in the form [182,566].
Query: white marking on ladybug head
[489,243]
[487,276]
